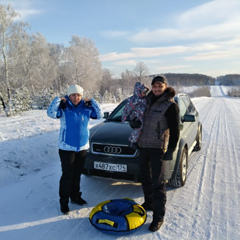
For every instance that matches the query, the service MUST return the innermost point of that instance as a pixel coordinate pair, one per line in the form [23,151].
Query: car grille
[113,150]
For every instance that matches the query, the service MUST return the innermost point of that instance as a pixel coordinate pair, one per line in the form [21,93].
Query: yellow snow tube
[118,216]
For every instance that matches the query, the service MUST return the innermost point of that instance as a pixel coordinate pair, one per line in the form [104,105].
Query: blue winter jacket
[74,131]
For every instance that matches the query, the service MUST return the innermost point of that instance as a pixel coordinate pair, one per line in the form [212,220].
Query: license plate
[110,167]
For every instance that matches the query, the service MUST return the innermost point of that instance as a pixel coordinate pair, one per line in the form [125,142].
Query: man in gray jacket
[157,142]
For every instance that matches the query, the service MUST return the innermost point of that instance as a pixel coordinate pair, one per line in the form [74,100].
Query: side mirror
[189,118]
[105,115]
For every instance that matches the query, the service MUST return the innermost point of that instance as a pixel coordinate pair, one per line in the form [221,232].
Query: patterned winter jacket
[161,122]
[74,131]
[135,105]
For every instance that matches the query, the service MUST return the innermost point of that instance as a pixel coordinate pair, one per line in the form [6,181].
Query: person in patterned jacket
[134,109]
[74,113]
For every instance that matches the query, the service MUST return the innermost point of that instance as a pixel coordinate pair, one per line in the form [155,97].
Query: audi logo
[112,149]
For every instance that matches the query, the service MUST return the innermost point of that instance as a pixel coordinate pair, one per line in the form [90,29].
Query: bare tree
[11,34]
[106,81]
[127,81]
[141,71]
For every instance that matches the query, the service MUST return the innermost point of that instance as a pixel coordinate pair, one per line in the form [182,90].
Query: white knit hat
[75,89]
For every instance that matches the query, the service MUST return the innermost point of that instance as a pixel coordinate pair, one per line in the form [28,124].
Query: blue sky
[178,36]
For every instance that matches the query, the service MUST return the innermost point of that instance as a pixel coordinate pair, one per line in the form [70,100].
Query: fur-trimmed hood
[170,92]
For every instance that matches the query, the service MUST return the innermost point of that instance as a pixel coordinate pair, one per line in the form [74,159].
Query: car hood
[111,133]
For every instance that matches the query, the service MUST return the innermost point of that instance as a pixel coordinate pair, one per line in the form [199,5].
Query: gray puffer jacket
[155,131]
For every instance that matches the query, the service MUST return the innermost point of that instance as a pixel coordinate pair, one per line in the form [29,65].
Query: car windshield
[116,115]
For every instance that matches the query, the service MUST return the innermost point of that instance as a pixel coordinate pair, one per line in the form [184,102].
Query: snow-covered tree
[81,63]
[12,35]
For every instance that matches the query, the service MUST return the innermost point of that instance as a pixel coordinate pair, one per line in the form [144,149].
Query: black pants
[152,179]
[72,167]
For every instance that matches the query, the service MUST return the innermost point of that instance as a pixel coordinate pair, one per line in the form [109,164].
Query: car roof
[181,95]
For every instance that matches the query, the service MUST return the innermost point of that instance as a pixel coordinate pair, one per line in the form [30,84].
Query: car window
[189,105]
[193,109]
[182,108]
[116,115]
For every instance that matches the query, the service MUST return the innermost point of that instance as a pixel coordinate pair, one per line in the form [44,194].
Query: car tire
[179,179]
[198,145]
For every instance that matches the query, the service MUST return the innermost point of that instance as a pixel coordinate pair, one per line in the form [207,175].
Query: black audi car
[110,156]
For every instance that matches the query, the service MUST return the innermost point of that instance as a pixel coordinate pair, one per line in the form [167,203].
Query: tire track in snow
[227,189]
[219,190]
[203,178]
[194,156]
[210,136]
[215,182]
[179,215]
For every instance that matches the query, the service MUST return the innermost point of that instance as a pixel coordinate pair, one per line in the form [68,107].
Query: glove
[62,105]
[168,155]
[88,103]
[135,123]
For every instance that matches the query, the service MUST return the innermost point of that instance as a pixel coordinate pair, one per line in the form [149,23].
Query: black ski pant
[72,167]
[152,179]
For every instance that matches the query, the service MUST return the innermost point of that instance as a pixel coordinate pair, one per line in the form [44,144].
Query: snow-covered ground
[207,207]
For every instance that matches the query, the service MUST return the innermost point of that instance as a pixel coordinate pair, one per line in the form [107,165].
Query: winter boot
[64,206]
[155,225]
[78,200]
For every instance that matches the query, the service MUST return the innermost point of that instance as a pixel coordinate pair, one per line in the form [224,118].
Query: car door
[192,126]
[184,126]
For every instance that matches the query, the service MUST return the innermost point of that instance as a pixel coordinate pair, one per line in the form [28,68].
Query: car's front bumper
[132,166]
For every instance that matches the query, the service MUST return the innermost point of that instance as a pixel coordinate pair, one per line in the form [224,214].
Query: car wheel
[180,177]
[198,145]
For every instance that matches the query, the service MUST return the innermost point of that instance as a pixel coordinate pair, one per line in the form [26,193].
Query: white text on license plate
[110,167]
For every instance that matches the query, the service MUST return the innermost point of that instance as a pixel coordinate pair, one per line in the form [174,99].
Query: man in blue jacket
[74,113]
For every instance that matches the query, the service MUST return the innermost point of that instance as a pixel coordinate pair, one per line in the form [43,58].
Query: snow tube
[118,216]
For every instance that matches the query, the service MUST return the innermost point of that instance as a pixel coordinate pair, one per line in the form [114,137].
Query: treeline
[179,79]
[234,91]
[229,80]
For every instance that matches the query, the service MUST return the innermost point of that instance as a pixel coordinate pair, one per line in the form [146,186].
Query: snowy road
[207,207]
